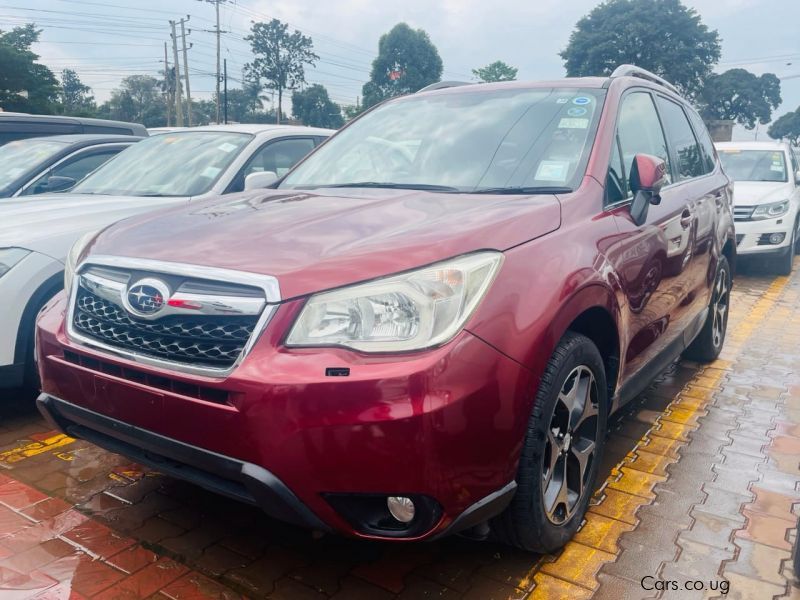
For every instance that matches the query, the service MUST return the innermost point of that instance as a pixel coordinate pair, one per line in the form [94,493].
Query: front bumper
[442,424]
[750,233]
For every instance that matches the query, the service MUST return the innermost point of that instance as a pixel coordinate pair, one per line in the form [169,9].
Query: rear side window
[639,130]
[682,140]
[704,139]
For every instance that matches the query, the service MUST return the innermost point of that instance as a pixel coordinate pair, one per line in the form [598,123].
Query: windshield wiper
[523,190]
[393,186]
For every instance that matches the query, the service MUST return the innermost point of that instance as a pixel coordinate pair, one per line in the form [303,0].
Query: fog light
[401,508]
[776,238]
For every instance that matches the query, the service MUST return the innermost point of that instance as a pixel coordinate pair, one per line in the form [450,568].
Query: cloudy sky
[107,40]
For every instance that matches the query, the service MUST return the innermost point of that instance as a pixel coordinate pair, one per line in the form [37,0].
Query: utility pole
[226,90]
[217,31]
[178,101]
[186,71]
[167,99]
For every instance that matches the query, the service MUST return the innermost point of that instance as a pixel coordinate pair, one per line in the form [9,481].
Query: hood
[51,223]
[753,193]
[319,240]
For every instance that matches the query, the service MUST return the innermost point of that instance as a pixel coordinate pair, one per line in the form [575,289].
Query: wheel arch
[594,313]
[49,288]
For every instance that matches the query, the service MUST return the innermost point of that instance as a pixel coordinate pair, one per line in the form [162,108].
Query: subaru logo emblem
[146,297]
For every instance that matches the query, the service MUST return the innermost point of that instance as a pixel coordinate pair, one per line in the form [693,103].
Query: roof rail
[440,85]
[634,71]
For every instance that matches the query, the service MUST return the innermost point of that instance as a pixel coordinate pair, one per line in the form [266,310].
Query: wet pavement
[696,500]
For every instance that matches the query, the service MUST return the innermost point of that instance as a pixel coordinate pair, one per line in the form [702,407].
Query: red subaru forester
[423,327]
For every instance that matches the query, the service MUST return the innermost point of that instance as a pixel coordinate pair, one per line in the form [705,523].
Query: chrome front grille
[743,213]
[203,325]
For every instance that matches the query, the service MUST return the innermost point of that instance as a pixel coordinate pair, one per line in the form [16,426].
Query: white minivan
[766,198]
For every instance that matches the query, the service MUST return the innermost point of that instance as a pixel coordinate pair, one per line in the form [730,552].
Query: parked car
[20,126]
[52,164]
[767,199]
[424,327]
[168,169]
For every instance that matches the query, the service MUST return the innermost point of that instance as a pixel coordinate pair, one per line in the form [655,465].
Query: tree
[662,36]
[75,97]
[138,99]
[314,107]
[407,61]
[740,96]
[25,85]
[280,57]
[787,127]
[497,71]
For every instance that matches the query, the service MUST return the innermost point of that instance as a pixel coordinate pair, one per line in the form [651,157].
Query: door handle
[686,219]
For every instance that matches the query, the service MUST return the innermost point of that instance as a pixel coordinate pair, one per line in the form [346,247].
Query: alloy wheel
[719,307]
[570,446]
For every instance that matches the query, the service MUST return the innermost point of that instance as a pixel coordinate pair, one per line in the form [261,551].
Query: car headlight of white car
[411,311]
[71,264]
[10,257]
[773,210]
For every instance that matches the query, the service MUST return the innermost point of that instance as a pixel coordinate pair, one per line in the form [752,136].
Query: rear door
[75,166]
[652,260]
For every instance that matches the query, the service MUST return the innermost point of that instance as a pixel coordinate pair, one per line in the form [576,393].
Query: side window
[682,140]
[616,185]
[279,156]
[75,168]
[639,130]
[706,145]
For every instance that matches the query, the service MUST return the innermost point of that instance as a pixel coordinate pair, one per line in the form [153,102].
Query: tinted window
[639,130]
[469,139]
[616,186]
[75,168]
[279,156]
[682,140]
[706,145]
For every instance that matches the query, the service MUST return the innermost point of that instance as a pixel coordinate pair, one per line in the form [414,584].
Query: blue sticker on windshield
[576,111]
[581,100]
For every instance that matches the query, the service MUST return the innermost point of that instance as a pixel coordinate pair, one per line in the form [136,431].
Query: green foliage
[139,100]
[662,36]
[740,96]
[314,107]
[787,127]
[408,54]
[75,97]
[25,85]
[496,71]
[280,57]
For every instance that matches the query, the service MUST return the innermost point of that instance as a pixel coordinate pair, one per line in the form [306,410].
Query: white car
[37,232]
[766,197]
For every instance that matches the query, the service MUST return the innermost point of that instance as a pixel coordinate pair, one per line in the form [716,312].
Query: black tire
[527,523]
[785,262]
[31,382]
[708,343]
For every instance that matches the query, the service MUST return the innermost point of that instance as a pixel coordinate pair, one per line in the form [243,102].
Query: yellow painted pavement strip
[572,574]
[9,457]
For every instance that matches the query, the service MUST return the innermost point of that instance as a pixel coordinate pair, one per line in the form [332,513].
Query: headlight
[772,210]
[10,257]
[72,259]
[411,311]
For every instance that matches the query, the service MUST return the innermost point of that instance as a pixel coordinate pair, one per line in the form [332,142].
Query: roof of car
[87,138]
[253,128]
[771,145]
[569,82]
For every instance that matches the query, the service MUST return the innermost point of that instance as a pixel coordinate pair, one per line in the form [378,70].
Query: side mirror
[57,183]
[260,179]
[648,176]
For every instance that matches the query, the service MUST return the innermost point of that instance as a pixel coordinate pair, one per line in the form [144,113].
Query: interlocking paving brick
[578,564]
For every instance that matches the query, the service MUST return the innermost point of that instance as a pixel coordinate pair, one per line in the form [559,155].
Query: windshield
[22,155]
[753,165]
[467,141]
[169,164]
